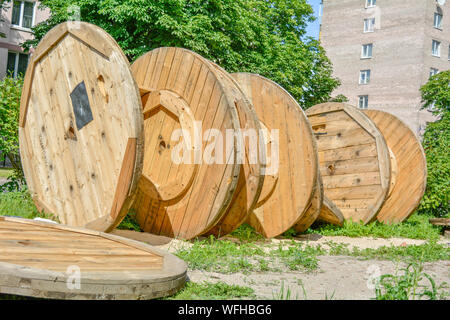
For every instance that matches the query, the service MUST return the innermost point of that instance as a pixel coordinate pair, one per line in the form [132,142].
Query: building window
[23,14]
[369,24]
[436,48]
[367,51]
[363,102]
[17,63]
[371,3]
[448,52]
[433,72]
[438,20]
[364,76]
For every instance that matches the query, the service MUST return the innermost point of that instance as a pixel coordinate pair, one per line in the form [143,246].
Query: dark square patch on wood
[81,106]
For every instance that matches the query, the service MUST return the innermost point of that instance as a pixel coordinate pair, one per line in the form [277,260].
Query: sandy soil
[338,277]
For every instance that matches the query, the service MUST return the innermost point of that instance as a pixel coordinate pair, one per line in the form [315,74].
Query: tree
[436,142]
[260,36]
[10,92]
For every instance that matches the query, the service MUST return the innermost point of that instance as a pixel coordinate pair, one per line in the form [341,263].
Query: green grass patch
[212,291]
[428,252]
[412,284]
[130,223]
[245,233]
[5,172]
[225,256]
[20,204]
[416,227]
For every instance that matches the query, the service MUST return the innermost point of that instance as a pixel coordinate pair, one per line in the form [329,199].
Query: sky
[313,28]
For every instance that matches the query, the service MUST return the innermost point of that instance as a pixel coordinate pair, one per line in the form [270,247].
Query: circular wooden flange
[291,169]
[410,163]
[52,261]
[251,176]
[354,160]
[198,190]
[314,209]
[81,127]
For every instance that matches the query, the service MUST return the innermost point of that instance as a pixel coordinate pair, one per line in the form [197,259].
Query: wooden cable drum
[81,127]
[251,175]
[181,90]
[48,260]
[354,160]
[314,209]
[409,174]
[291,171]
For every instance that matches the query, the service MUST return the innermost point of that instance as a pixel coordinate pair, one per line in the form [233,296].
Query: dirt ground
[338,277]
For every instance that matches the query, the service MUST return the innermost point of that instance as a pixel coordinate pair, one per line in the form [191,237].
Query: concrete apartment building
[383,51]
[17,18]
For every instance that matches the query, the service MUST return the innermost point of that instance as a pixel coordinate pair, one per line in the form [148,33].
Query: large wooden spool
[52,261]
[354,160]
[287,192]
[81,127]
[251,176]
[181,90]
[409,168]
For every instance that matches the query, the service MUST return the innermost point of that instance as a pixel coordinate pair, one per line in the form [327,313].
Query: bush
[436,143]
[10,92]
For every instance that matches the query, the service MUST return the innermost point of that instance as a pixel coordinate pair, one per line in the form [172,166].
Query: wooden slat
[354,162]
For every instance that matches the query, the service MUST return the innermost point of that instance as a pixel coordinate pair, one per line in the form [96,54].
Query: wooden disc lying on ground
[47,260]
[354,160]
[185,188]
[251,176]
[410,175]
[81,127]
[291,169]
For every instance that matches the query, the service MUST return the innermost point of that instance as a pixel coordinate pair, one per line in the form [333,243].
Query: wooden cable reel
[39,259]
[409,168]
[81,127]
[287,192]
[354,160]
[201,194]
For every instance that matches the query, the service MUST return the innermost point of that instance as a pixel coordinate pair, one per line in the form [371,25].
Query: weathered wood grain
[42,259]
[82,169]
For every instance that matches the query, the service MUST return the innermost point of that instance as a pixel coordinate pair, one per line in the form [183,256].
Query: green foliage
[416,227]
[10,92]
[265,37]
[130,223]
[407,286]
[428,252]
[245,233]
[436,93]
[212,291]
[20,204]
[436,143]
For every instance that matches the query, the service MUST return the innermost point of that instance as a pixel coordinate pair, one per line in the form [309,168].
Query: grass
[413,284]
[20,204]
[416,227]
[5,172]
[130,223]
[224,256]
[428,252]
[212,291]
